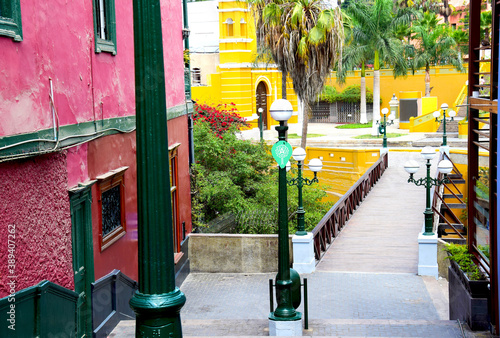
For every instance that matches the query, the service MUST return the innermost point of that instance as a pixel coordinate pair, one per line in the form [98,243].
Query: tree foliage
[434,45]
[238,177]
[351,93]
[305,40]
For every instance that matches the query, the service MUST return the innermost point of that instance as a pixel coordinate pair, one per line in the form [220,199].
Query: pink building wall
[34,202]
[58,45]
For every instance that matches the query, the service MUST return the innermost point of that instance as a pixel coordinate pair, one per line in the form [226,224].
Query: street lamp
[394,105]
[281,110]
[444,167]
[437,115]
[382,128]
[260,110]
[299,154]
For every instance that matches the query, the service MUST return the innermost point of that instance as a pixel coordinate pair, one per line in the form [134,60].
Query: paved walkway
[365,286]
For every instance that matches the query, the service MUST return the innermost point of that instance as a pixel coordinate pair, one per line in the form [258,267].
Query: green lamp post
[382,128]
[281,110]
[158,301]
[444,167]
[299,154]
[261,124]
[437,115]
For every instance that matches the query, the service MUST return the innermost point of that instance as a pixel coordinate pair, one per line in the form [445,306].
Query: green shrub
[351,94]
[329,94]
[461,255]
[238,178]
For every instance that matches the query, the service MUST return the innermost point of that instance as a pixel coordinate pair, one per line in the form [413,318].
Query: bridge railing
[332,223]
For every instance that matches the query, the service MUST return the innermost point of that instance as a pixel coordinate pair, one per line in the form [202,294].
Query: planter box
[468,300]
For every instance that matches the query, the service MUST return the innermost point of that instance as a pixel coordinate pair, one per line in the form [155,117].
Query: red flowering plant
[220,118]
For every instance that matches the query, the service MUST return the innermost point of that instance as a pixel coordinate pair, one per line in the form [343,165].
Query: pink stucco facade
[89,89]
[35,205]
[58,45]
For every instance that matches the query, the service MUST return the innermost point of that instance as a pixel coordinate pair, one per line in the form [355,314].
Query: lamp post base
[445,149]
[303,253]
[288,328]
[158,314]
[427,255]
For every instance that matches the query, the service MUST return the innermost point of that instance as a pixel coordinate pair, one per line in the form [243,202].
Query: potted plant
[468,288]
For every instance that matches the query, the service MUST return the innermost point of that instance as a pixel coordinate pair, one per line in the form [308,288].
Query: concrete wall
[234,253]
[443,262]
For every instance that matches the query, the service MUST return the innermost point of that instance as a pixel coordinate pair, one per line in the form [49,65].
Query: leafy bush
[329,94]
[349,94]
[461,255]
[240,178]
[220,118]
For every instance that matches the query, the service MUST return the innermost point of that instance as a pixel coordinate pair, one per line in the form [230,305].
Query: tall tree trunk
[305,121]
[300,112]
[376,94]
[283,85]
[283,95]
[427,80]
[363,118]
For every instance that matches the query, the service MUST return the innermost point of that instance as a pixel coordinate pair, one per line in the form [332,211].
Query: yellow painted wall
[429,104]
[342,167]
[446,84]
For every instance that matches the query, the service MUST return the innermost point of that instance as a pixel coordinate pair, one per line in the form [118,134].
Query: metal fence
[338,112]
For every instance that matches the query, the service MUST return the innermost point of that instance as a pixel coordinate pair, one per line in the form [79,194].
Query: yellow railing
[460,98]
[423,123]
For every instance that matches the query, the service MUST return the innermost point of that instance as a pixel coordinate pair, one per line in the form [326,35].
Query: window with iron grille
[111,199]
[10,19]
[104,26]
[174,195]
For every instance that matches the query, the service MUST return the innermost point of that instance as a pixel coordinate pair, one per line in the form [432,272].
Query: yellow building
[238,78]
[230,74]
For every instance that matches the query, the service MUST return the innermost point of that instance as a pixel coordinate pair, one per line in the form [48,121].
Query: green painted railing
[43,310]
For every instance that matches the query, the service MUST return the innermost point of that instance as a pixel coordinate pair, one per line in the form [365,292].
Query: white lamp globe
[385,111]
[392,117]
[445,167]
[288,166]
[436,114]
[428,153]
[281,110]
[452,113]
[444,106]
[315,165]
[411,166]
[299,154]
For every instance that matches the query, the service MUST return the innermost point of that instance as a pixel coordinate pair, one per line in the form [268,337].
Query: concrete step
[454,206]
[317,327]
[440,134]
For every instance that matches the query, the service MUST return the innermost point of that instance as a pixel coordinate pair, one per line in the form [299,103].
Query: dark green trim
[69,135]
[180,110]
[108,44]
[72,134]
[10,19]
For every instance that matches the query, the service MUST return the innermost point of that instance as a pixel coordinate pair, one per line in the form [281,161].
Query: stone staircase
[317,327]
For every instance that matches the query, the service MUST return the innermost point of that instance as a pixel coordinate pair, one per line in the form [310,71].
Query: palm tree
[434,45]
[305,39]
[375,24]
[355,54]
